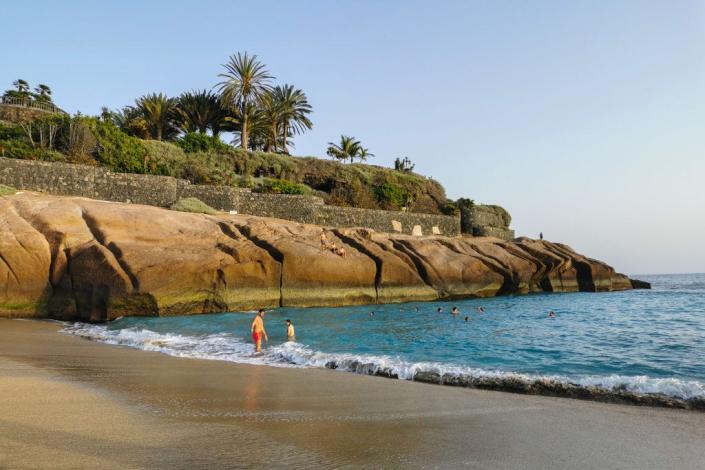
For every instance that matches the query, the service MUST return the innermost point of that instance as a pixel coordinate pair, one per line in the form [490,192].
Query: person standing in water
[455,311]
[290,333]
[257,329]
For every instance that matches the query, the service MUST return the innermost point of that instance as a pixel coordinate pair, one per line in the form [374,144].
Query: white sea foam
[226,347]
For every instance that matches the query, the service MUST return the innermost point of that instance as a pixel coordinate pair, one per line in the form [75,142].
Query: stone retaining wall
[486,221]
[12,113]
[99,183]
[386,221]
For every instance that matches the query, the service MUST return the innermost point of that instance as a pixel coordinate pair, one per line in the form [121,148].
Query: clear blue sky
[585,119]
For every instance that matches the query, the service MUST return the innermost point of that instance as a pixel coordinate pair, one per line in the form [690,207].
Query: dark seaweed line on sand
[545,387]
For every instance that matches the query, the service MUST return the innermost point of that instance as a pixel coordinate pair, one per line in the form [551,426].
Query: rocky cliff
[82,259]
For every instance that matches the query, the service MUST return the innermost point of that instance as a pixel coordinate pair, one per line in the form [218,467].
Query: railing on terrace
[28,103]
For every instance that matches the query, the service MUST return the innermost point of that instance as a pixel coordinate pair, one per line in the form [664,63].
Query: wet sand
[66,402]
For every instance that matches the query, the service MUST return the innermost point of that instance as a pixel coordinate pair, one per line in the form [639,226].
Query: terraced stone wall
[98,183]
[386,221]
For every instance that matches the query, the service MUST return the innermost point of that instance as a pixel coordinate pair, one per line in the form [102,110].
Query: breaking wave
[645,390]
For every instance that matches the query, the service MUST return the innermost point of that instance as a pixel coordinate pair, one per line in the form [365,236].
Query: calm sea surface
[642,341]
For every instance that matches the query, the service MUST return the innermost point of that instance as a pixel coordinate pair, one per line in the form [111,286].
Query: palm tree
[271,114]
[364,154]
[22,91]
[258,133]
[293,112]
[198,111]
[129,120]
[43,92]
[158,111]
[21,85]
[348,148]
[246,79]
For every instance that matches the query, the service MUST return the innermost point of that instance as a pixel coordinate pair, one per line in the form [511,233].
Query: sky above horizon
[586,120]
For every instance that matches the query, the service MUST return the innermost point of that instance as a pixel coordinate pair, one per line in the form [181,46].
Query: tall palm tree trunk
[244,134]
[284,137]
[274,136]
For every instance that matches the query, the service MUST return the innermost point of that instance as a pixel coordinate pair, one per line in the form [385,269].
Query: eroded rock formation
[74,258]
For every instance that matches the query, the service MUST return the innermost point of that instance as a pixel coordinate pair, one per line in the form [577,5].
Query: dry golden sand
[66,402]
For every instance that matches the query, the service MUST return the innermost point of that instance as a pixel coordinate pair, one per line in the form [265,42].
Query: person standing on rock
[257,329]
[540,235]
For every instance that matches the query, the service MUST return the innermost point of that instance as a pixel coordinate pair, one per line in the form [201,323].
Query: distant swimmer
[258,331]
[467,318]
[372,314]
[290,333]
[480,310]
[439,310]
[551,314]
[455,311]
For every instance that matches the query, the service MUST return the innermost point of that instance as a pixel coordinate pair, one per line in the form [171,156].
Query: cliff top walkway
[9,101]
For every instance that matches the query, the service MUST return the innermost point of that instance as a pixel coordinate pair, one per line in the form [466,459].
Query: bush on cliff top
[192,204]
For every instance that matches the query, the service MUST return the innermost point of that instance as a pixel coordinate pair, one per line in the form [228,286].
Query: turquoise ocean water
[644,341]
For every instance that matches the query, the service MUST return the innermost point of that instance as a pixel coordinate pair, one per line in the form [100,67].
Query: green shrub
[465,203]
[449,208]
[192,204]
[391,196]
[11,133]
[245,182]
[23,150]
[355,194]
[198,142]
[7,190]
[278,186]
[117,150]
[163,158]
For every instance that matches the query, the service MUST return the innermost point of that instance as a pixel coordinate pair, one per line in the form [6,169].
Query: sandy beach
[71,403]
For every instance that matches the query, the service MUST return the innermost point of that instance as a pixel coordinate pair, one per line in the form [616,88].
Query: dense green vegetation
[181,137]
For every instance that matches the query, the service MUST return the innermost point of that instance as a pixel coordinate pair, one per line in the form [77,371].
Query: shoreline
[605,389]
[143,409]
